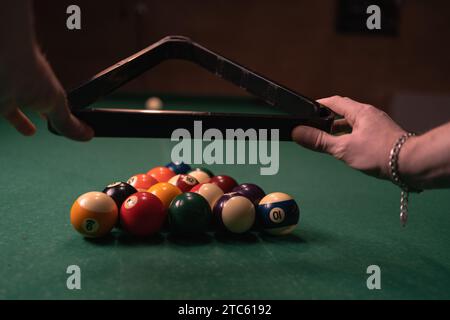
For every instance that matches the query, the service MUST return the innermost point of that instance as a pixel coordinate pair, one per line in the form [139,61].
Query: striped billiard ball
[184,182]
[278,213]
[201,174]
[94,214]
[210,191]
[234,213]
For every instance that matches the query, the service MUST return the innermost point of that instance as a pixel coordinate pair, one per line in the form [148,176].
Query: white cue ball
[153,103]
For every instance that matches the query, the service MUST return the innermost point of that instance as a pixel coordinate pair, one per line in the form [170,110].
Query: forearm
[424,161]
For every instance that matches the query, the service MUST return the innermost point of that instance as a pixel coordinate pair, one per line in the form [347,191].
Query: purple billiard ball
[250,191]
[234,212]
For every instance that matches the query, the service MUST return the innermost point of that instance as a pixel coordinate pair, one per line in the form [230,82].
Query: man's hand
[366,148]
[27,80]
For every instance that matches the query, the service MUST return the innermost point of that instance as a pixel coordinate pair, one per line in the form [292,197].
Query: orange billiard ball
[142,181]
[94,214]
[165,192]
[162,174]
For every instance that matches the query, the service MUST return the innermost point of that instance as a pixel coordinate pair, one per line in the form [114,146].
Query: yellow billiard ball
[165,192]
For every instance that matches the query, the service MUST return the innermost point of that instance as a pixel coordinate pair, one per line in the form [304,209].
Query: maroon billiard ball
[226,183]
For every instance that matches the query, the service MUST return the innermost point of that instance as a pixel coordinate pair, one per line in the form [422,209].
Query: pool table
[348,222]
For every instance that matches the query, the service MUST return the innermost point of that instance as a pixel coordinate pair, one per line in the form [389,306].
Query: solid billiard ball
[142,214]
[93,214]
[201,174]
[184,182]
[153,103]
[142,181]
[251,191]
[179,167]
[189,213]
[161,174]
[226,183]
[210,191]
[119,191]
[234,212]
[278,213]
[165,192]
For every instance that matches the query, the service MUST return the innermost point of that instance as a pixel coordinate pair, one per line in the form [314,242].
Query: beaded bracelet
[395,176]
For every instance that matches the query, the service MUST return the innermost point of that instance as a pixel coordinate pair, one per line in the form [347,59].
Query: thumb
[313,139]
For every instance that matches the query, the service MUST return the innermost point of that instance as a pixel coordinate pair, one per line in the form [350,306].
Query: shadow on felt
[196,239]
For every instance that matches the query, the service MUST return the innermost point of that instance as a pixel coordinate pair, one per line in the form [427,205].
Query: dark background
[308,46]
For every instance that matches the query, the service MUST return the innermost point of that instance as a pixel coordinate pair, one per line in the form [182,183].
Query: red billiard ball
[184,182]
[226,183]
[142,214]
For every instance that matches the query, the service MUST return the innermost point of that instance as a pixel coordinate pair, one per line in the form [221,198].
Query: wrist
[408,166]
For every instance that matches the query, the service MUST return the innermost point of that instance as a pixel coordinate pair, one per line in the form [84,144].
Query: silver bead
[403,218]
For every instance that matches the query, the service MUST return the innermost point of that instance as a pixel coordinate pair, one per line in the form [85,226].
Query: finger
[21,122]
[47,96]
[68,125]
[341,126]
[314,139]
[343,106]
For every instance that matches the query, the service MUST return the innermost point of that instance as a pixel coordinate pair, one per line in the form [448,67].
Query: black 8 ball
[119,192]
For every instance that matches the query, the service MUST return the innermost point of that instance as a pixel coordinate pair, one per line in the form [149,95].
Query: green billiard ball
[189,213]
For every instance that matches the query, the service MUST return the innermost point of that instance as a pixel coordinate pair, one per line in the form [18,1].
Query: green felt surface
[348,222]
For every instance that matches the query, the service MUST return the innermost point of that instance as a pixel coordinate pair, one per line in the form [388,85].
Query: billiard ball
[184,182]
[119,191]
[179,167]
[234,212]
[142,214]
[278,213]
[201,174]
[93,214]
[251,191]
[226,183]
[189,213]
[165,192]
[153,103]
[210,191]
[161,174]
[142,181]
